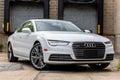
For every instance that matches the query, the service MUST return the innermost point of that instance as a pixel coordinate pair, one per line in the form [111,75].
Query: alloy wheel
[36,57]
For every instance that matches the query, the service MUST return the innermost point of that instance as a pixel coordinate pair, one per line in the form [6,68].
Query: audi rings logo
[89,45]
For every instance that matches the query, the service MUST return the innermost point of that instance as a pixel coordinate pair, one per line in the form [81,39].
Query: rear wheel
[99,66]
[36,57]
[11,57]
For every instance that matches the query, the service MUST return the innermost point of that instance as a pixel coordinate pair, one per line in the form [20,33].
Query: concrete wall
[117,25]
[111,20]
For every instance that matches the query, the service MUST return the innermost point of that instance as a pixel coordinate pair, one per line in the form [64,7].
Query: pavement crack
[35,78]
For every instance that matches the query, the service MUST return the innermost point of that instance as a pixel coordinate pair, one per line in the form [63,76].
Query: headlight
[57,43]
[108,42]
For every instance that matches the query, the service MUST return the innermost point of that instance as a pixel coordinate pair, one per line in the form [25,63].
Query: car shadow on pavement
[73,68]
[64,68]
[26,64]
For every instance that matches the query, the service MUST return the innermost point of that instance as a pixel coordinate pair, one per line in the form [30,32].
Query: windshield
[56,26]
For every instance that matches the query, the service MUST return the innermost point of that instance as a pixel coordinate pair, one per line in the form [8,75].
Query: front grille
[60,57]
[82,51]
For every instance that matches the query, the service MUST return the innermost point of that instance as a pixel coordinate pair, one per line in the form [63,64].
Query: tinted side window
[30,25]
[26,25]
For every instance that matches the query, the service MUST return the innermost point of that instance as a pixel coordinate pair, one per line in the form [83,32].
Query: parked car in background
[45,41]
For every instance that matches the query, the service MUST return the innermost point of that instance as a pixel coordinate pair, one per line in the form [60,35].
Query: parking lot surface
[22,70]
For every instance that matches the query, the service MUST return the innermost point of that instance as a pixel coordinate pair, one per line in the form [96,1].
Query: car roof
[47,20]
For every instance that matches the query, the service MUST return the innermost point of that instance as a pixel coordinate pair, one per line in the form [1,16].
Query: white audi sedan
[57,42]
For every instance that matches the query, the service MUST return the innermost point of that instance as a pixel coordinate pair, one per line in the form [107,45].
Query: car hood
[73,36]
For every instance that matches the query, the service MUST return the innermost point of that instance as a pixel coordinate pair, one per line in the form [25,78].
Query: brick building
[111,26]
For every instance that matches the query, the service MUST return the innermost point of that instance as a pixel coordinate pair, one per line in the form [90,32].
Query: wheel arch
[36,42]
[8,42]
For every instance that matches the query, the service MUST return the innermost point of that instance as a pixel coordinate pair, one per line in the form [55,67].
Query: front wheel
[36,57]
[98,66]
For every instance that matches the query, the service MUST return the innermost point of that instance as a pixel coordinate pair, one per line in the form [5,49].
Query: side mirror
[88,31]
[26,30]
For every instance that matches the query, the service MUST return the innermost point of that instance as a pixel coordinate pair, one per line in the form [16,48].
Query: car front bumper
[66,55]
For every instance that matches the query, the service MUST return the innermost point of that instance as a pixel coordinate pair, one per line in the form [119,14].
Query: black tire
[36,57]
[99,66]
[11,57]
